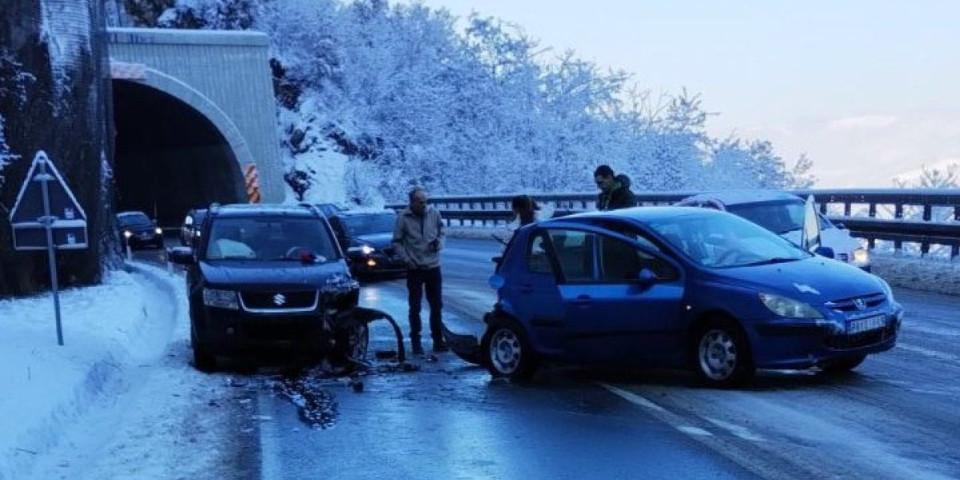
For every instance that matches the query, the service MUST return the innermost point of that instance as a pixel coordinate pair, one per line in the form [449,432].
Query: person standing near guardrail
[614,189]
[418,238]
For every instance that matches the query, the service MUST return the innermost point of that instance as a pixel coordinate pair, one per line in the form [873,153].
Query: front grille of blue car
[857,303]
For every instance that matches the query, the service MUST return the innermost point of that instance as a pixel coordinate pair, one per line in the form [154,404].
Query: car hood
[814,279]
[375,240]
[245,273]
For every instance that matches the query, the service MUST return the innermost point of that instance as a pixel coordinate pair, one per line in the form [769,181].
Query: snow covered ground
[116,336]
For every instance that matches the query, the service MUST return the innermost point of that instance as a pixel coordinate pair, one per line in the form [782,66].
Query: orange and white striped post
[253,183]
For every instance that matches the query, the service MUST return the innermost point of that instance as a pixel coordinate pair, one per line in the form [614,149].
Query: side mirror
[497,259]
[825,252]
[647,277]
[840,226]
[181,255]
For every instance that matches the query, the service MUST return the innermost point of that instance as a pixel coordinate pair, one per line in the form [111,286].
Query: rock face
[56,98]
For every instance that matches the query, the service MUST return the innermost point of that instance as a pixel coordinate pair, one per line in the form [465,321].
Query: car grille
[856,303]
[279,301]
[275,331]
[861,339]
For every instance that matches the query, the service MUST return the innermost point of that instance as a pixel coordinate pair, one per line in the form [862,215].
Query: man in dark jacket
[614,189]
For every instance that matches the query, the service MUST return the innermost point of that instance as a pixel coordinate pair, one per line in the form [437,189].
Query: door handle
[526,288]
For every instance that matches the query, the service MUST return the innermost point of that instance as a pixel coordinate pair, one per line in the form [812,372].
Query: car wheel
[507,352]
[843,364]
[722,355]
[351,345]
[203,358]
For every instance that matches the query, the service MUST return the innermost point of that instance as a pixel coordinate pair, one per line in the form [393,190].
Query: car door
[535,296]
[610,314]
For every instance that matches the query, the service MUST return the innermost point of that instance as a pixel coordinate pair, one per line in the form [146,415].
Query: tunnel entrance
[169,158]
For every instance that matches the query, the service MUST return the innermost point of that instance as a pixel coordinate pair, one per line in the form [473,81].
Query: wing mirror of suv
[647,276]
[181,255]
[825,252]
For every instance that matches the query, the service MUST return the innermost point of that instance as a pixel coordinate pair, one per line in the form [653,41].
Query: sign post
[48,217]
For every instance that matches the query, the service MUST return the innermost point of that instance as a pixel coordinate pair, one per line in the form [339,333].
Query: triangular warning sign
[29,206]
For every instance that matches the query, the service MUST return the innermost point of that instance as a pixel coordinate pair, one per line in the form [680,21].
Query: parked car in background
[269,279]
[190,230]
[677,287]
[366,237]
[783,213]
[137,230]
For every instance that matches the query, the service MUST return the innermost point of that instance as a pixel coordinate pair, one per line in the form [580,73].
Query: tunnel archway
[174,150]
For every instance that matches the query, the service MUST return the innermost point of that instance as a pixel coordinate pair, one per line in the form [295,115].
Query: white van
[783,214]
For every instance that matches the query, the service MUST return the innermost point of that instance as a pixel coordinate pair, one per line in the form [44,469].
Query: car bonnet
[814,280]
[240,273]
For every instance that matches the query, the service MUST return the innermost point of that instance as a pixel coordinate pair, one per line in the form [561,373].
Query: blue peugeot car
[677,287]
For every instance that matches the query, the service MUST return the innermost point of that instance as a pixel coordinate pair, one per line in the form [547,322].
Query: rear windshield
[269,238]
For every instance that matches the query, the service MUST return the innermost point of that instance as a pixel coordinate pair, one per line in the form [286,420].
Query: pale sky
[867,89]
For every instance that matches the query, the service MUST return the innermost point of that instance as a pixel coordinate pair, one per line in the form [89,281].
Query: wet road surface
[894,417]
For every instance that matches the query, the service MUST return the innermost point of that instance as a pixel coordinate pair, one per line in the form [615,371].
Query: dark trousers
[416,281]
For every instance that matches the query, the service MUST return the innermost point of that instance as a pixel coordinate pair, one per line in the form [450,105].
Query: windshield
[198,216]
[369,224]
[725,241]
[134,220]
[269,238]
[778,217]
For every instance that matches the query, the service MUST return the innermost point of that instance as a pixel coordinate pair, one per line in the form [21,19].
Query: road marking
[666,416]
[694,431]
[740,431]
[633,398]
[928,352]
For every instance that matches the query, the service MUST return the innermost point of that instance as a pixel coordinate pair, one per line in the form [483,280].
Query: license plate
[866,324]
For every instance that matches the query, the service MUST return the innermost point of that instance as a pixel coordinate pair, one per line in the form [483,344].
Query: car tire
[351,345]
[842,365]
[203,359]
[721,355]
[507,352]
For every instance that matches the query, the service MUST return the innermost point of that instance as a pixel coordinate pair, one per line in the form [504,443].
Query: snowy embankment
[929,274]
[108,331]
[937,275]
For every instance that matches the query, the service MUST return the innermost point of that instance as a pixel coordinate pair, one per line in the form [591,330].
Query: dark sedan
[366,237]
[138,230]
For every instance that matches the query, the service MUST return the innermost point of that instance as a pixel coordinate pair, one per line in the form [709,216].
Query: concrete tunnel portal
[169,157]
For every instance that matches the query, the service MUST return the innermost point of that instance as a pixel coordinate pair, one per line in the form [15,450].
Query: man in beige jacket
[418,238]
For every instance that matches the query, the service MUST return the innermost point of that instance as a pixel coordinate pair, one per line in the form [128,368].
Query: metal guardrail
[860,209]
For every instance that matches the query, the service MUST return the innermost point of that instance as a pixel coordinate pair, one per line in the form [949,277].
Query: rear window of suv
[269,238]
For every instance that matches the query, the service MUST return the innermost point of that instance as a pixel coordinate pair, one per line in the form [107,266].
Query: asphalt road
[894,417]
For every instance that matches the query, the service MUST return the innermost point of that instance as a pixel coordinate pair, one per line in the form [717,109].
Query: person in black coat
[614,189]
[524,209]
